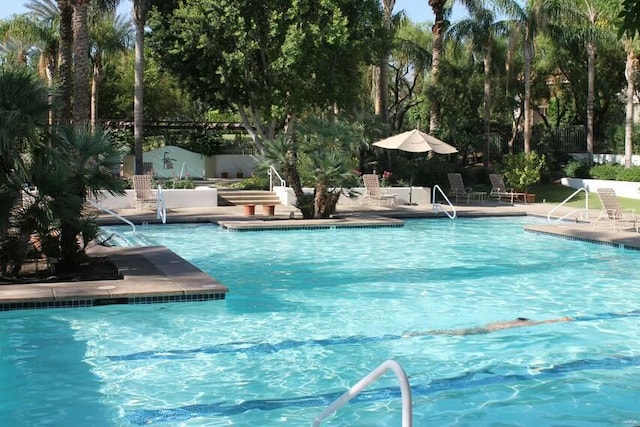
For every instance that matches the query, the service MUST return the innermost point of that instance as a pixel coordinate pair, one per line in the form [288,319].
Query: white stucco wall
[170,161]
[419,195]
[622,188]
[200,197]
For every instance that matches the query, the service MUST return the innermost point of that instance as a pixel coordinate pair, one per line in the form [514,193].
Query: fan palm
[110,34]
[527,21]
[481,29]
[91,158]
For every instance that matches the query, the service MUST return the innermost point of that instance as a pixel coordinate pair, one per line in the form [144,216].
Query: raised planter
[248,210]
[268,210]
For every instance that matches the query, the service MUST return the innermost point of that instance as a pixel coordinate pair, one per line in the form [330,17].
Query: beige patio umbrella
[415,141]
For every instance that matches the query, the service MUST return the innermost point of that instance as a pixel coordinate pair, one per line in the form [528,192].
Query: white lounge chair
[612,210]
[500,190]
[145,196]
[457,189]
[373,192]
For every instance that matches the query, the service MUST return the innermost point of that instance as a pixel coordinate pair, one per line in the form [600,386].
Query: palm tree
[527,21]
[46,16]
[17,36]
[81,62]
[110,34]
[481,29]
[440,11]
[90,158]
[586,22]
[23,105]
[631,74]
[140,11]
[381,71]
[65,62]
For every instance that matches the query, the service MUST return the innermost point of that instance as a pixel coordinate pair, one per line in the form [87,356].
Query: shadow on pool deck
[156,274]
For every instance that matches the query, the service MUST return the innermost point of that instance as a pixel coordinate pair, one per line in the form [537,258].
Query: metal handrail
[438,206]
[405,391]
[586,206]
[112,213]
[161,210]
[271,172]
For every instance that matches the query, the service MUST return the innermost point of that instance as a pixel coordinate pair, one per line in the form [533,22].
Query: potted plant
[224,174]
[523,170]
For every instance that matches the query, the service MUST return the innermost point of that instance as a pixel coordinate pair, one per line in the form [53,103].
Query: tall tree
[110,34]
[481,29]
[381,70]
[440,11]
[587,23]
[65,64]
[47,16]
[632,48]
[140,12]
[527,21]
[81,62]
[411,58]
[269,61]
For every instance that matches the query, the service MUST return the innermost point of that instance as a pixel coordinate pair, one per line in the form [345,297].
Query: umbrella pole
[410,190]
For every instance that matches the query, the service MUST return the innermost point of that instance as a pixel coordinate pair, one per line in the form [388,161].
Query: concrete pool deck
[156,274]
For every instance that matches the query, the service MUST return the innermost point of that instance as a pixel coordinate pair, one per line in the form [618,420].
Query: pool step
[247,197]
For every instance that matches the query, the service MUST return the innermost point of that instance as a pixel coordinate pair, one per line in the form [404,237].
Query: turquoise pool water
[311,312]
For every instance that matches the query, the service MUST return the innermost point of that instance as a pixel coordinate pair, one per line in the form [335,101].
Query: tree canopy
[269,60]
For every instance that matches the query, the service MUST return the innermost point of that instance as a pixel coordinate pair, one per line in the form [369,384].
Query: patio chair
[373,192]
[500,190]
[612,210]
[457,189]
[142,185]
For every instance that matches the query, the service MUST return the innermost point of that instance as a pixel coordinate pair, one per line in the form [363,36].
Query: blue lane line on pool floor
[252,347]
[247,347]
[465,381]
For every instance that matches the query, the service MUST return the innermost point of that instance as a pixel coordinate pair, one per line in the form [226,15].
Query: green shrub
[577,169]
[253,183]
[607,171]
[631,174]
[176,184]
[523,169]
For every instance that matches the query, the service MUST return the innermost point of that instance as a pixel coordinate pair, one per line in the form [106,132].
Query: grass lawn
[556,193]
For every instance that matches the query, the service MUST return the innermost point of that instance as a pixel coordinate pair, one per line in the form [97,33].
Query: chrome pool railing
[112,213]
[161,210]
[585,210]
[405,390]
[438,206]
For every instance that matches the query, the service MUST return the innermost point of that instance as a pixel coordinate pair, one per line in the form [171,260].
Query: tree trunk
[95,83]
[81,62]
[66,58]
[487,104]
[628,122]
[140,18]
[528,59]
[591,73]
[381,71]
[438,7]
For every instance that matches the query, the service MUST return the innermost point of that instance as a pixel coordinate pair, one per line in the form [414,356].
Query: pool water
[310,312]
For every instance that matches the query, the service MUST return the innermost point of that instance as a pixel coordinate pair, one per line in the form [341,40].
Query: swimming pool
[311,312]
